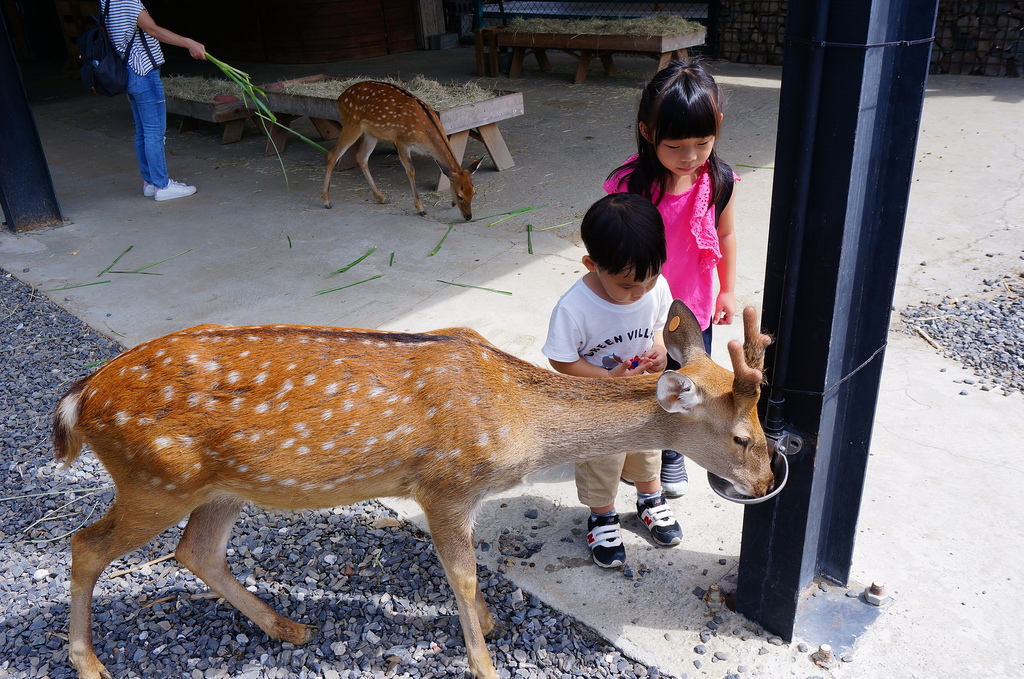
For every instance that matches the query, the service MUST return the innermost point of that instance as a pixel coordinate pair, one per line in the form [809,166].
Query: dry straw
[440,97]
[650,26]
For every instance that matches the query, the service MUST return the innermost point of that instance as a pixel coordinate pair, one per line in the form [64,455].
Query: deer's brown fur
[197,422]
[378,111]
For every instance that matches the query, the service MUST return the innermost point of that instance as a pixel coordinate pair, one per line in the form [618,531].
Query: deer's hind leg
[202,549]
[363,161]
[405,156]
[453,538]
[127,525]
[349,135]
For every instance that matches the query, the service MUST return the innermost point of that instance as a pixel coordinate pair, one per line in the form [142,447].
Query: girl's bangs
[679,118]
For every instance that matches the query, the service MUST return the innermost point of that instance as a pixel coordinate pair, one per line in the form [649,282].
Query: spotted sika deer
[295,417]
[378,111]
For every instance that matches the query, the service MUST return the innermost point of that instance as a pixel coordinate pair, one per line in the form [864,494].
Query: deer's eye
[741,441]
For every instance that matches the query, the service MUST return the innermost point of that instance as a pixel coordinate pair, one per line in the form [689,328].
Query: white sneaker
[174,190]
[148,189]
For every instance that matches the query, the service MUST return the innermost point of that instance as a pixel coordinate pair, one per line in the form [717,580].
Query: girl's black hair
[682,101]
[624,232]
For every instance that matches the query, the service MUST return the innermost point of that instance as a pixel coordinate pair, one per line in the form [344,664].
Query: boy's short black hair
[624,232]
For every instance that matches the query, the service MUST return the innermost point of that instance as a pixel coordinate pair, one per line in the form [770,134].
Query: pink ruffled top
[691,241]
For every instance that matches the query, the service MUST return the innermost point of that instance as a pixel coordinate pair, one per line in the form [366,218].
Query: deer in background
[378,111]
[299,417]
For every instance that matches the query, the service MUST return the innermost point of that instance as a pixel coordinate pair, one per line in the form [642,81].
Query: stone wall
[978,37]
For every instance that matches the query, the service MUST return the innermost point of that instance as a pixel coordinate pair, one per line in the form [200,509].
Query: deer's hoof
[327,205]
[422,213]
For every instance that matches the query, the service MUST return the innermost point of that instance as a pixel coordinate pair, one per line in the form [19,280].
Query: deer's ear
[683,335]
[444,170]
[475,165]
[677,393]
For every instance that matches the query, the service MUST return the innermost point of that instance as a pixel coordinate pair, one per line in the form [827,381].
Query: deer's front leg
[453,539]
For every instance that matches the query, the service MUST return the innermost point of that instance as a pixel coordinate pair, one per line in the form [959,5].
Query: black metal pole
[26,188]
[850,108]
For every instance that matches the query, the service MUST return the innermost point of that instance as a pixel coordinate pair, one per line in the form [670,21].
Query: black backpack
[102,68]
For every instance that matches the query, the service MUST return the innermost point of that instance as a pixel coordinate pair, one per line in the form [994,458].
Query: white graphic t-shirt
[585,326]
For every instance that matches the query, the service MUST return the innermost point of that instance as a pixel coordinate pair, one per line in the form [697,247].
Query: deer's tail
[67,440]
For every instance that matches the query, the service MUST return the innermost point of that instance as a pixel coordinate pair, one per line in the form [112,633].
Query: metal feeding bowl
[780,467]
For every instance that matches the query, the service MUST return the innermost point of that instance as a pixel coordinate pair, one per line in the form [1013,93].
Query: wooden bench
[479,121]
[228,111]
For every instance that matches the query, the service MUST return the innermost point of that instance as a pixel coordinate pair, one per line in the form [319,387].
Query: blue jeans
[149,108]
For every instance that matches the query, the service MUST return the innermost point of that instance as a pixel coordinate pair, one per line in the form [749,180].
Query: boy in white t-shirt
[609,324]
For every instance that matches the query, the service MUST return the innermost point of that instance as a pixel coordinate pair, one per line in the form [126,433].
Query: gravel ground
[984,332]
[372,583]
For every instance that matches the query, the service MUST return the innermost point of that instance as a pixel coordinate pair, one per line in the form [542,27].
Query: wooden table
[227,110]
[479,121]
[583,47]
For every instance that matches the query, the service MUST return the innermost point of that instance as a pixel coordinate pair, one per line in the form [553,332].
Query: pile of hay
[195,88]
[436,95]
[647,27]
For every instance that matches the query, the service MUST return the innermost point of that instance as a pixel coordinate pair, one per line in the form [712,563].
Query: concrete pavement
[942,518]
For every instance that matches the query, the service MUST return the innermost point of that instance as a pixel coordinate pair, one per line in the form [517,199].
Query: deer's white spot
[253,338]
[262,408]
[504,431]
[353,388]
[237,402]
[302,450]
[167,392]
[170,486]
[194,399]
[420,384]
[377,391]
[371,441]
[233,376]
[431,411]
[387,413]
[291,366]
[244,354]
[288,443]
[167,361]
[263,478]
[161,442]
[286,386]
[327,414]
[282,405]
[121,417]
[302,428]
[483,439]
[349,404]
[261,378]
[288,482]
[331,389]
[242,468]
[327,445]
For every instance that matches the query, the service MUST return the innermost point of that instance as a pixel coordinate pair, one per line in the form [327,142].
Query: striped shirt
[122,20]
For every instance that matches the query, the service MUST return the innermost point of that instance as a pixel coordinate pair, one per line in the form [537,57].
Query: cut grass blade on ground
[116,259]
[346,268]
[342,287]
[142,269]
[475,287]
[72,287]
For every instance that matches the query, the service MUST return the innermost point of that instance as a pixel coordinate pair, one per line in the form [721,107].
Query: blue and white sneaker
[660,520]
[605,541]
[674,480]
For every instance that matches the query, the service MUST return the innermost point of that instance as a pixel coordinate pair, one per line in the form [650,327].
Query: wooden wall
[293,31]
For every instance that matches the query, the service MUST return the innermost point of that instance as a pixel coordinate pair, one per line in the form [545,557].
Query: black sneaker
[660,520]
[605,541]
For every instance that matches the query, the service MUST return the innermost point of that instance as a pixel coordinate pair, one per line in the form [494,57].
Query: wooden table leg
[517,62]
[187,124]
[278,134]
[492,140]
[584,65]
[609,65]
[233,130]
[542,59]
[458,143]
[329,130]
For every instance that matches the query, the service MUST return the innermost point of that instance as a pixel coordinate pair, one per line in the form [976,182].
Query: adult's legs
[146,95]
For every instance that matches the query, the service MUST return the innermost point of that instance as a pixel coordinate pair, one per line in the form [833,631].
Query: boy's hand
[725,309]
[658,355]
[623,369]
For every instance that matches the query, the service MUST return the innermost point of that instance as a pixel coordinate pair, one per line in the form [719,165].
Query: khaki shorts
[597,480]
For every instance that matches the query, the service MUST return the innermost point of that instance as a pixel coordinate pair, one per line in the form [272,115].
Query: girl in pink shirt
[676,168]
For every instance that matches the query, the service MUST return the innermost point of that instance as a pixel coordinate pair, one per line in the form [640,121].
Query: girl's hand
[659,358]
[196,49]
[725,309]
